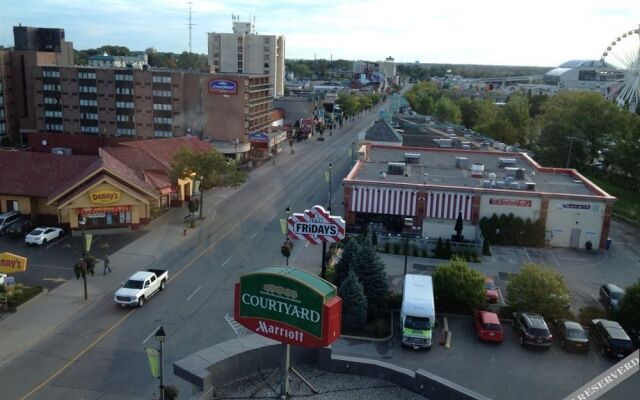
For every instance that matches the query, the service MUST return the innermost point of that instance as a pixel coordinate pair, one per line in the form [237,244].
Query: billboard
[316,226]
[10,263]
[289,305]
[223,86]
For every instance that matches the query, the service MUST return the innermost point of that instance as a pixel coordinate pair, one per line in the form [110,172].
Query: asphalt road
[100,351]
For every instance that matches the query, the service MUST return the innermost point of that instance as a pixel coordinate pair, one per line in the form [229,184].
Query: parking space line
[194,293]
[500,297]
[226,261]
[252,236]
[554,258]
[527,254]
[56,241]
[598,302]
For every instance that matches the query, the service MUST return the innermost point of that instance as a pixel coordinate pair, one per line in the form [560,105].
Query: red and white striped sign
[391,201]
[445,205]
[316,226]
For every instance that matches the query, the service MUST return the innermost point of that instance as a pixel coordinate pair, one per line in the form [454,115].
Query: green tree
[365,102]
[354,303]
[554,142]
[371,273]
[628,307]
[447,110]
[516,112]
[299,69]
[535,104]
[114,50]
[210,167]
[349,104]
[501,130]
[194,61]
[538,289]
[348,260]
[457,287]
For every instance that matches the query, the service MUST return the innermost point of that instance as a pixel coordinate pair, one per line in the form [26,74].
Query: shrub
[486,248]
[397,248]
[371,273]
[395,301]
[457,287]
[539,289]
[387,247]
[21,294]
[354,302]
[628,308]
[414,250]
[424,252]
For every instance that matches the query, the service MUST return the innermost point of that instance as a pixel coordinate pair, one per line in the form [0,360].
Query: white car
[42,235]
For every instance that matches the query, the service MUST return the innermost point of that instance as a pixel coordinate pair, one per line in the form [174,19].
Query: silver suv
[610,295]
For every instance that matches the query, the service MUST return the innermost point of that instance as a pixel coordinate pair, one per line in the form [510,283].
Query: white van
[418,314]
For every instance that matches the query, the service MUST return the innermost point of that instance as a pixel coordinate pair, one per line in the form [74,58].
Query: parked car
[42,235]
[532,329]
[20,227]
[488,327]
[634,335]
[572,336]
[7,218]
[610,295]
[491,290]
[611,338]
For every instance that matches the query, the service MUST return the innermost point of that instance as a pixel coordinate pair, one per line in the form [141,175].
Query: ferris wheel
[624,53]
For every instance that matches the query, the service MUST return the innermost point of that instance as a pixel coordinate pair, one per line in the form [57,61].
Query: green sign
[285,295]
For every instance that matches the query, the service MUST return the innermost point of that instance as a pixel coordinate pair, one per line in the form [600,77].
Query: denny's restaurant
[106,204]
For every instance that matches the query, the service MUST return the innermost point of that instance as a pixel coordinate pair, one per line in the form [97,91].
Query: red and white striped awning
[446,205]
[391,201]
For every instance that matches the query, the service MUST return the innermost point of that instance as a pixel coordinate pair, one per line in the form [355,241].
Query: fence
[429,244]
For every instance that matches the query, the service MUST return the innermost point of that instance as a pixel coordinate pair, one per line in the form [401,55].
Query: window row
[90,103]
[124,104]
[122,118]
[126,132]
[86,75]
[50,87]
[50,74]
[93,116]
[53,127]
[124,77]
[162,93]
[53,114]
[162,134]
[87,89]
[161,79]
[89,129]
[162,120]
[51,100]
[162,107]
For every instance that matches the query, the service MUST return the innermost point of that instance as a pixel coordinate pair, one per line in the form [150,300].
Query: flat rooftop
[438,167]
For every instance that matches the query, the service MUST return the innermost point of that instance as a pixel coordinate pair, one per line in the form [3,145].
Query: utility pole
[190,25]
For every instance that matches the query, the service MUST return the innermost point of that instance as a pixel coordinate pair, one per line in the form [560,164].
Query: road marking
[193,294]
[238,329]
[77,356]
[151,334]
[54,279]
[554,258]
[252,236]
[56,241]
[273,216]
[527,254]
[226,261]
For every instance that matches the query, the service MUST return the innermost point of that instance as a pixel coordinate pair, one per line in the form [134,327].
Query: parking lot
[51,264]
[498,371]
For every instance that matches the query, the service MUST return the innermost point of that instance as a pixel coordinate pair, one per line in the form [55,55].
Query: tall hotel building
[246,52]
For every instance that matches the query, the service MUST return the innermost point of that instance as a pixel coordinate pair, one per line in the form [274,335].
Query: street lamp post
[200,181]
[330,168]
[82,222]
[160,337]
[286,237]
[323,268]
[353,149]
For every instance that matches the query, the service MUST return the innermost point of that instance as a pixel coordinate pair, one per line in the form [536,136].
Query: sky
[495,32]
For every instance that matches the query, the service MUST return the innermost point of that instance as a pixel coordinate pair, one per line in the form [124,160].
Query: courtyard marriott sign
[289,305]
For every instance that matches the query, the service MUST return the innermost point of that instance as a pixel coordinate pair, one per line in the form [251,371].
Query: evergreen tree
[371,272]
[447,250]
[486,249]
[347,261]
[354,302]
[439,249]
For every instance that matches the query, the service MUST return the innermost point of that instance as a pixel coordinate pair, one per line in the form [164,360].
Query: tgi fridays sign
[316,226]
[289,305]
[10,263]
[510,202]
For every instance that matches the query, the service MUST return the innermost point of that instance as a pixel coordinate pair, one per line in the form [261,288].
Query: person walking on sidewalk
[107,265]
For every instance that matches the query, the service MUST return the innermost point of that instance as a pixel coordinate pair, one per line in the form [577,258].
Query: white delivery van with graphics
[418,314]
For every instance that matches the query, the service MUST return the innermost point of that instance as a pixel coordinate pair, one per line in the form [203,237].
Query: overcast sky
[542,32]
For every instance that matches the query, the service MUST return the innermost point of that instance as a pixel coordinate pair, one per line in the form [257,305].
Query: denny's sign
[289,305]
[105,196]
[10,263]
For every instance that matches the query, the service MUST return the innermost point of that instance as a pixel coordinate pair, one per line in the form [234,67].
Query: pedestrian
[107,265]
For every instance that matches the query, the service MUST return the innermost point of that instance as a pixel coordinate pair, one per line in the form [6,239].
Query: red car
[488,327]
[492,290]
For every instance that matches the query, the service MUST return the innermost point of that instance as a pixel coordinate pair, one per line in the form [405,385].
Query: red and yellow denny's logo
[105,196]
[10,263]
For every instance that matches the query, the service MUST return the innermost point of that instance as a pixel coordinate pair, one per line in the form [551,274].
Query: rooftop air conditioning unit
[520,174]
[412,158]
[531,186]
[486,183]
[510,171]
[506,162]
[396,168]
[477,170]
[514,185]
[462,162]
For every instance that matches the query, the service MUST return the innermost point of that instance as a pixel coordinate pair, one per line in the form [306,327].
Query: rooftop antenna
[190,25]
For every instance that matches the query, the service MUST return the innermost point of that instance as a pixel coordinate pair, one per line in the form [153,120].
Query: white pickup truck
[136,290]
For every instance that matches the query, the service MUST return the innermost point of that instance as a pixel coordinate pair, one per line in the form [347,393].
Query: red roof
[39,174]
[163,150]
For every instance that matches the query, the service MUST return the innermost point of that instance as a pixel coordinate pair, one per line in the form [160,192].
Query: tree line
[582,130]
[420,72]
[184,60]
[320,69]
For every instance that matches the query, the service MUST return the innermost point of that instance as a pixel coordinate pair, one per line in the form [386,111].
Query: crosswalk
[239,330]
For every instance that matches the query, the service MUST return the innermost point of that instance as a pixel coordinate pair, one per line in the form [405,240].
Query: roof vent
[486,183]
[396,168]
[514,185]
[383,175]
[462,162]
[506,162]
[531,186]
[412,158]
[508,180]
[520,174]
[510,171]
[477,170]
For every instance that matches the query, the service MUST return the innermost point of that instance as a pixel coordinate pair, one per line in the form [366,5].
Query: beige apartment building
[246,52]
